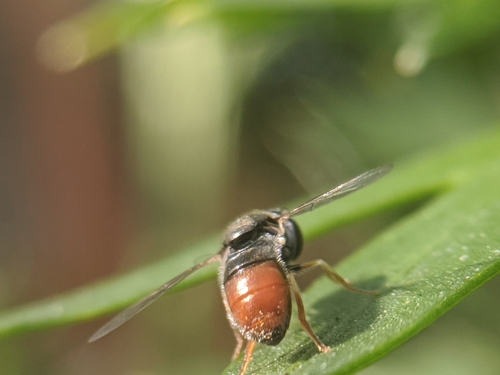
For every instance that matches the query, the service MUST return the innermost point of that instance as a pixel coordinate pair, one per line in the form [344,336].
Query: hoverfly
[257,273]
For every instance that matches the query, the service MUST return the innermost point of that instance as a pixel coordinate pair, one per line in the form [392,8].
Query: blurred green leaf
[107,25]
[429,29]
[90,34]
[101,298]
[423,266]
[434,29]
[464,24]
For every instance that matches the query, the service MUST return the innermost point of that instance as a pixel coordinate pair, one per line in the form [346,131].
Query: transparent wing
[130,311]
[342,190]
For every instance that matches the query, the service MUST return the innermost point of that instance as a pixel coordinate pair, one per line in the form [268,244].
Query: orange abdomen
[259,300]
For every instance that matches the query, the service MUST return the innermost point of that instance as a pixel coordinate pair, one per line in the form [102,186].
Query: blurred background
[213,110]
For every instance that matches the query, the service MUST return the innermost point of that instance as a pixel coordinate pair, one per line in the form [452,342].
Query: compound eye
[244,240]
[294,241]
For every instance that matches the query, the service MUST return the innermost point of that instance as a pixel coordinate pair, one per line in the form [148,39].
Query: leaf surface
[423,265]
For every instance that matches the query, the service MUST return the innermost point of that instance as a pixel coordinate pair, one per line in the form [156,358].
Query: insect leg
[334,276]
[302,317]
[248,355]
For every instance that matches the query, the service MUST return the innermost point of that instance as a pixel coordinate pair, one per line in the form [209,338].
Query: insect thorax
[257,237]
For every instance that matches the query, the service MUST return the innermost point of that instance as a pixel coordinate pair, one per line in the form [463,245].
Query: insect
[257,273]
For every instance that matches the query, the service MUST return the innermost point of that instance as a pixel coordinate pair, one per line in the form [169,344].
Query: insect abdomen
[259,300]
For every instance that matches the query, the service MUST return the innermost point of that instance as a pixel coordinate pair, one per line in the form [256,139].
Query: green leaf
[108,25]
[441,28]
[464,24]
[99,29]
[433,28]
[423,265]
[98,299]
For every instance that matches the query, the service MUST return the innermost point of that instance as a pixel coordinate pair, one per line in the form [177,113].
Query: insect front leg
[332,275]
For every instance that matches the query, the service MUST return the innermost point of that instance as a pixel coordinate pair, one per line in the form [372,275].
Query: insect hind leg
[240,341]
[302,317]
[248,356]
